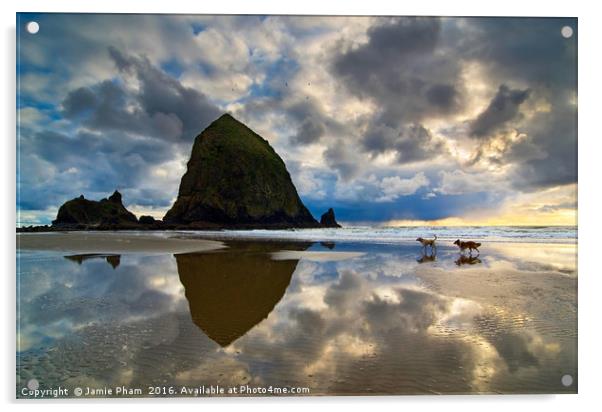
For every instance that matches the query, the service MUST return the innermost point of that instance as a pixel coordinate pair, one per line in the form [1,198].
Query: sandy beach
[103,242]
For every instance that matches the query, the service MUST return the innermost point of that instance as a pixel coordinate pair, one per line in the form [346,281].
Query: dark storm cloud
[442,95]
[161,94]
[104,107]
[389,43]
[306,117]
[532,51]
[309,132]
[310,125]
[79,101]
[555,135]
[413,143]
[75,150]
[399,70]
[340,159]
[503,108]
[311,122]
[410,69]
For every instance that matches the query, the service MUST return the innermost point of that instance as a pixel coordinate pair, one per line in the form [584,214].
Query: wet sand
[339,319]
[100,242]
[314,256]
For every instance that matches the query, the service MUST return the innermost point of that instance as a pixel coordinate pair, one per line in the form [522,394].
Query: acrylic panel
[247,205]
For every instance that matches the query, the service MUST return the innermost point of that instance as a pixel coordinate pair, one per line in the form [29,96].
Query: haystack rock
[236,179]
[328,219]
[81,211]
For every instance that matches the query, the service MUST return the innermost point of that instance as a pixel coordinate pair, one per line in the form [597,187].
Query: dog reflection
[426,257]
[467,260]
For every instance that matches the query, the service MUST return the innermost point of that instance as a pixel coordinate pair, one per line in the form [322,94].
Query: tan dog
[427,242]
[470,245]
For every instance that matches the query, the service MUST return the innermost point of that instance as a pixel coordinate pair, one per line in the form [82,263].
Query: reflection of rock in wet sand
[329,245]
[112,260]
[231,290]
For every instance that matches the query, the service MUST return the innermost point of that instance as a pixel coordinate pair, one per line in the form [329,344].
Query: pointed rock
[328,219]
[115,197]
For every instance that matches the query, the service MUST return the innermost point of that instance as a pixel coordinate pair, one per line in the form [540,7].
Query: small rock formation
[147,220]
[328,219]
[106,212]
[236,179]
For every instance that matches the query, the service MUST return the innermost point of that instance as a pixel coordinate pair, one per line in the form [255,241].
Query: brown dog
[427,242]
[470,245]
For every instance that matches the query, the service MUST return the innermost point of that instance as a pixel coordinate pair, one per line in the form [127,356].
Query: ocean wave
[550,234]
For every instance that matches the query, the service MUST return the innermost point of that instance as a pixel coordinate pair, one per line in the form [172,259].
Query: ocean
[393,235]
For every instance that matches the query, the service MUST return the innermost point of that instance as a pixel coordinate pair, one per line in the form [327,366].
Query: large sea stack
[236,179]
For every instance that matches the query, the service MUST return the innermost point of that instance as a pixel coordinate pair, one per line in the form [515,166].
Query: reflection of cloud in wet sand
[315,256]
[553,257]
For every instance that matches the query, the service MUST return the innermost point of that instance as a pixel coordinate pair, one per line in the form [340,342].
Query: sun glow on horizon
[557,219]
[555,206]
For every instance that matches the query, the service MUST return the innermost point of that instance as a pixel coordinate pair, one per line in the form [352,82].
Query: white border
[590,238]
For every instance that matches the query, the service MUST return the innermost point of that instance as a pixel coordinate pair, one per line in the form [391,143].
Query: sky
[389,120]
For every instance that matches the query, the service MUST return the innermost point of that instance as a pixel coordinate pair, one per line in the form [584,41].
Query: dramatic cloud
[162,95]
[414,143]
[402,70]
[107,106]
[503,108]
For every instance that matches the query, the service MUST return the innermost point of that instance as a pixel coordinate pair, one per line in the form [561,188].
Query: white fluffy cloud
[394,186]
